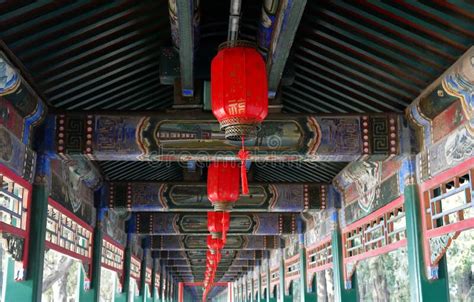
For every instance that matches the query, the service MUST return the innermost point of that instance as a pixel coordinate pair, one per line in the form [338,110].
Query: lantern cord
[243,155]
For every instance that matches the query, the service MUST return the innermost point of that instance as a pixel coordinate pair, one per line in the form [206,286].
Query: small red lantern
[218,223]
[239,89]
[214,244]
[223,185]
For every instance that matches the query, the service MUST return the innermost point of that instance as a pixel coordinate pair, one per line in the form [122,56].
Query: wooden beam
[192,197]
[191,243]
[196,223]
[197,136]
[287,20]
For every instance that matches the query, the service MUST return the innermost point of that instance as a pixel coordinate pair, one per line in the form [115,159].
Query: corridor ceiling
[349,56]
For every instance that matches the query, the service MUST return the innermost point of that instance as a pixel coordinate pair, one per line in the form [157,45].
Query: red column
[229,292]
[180,292]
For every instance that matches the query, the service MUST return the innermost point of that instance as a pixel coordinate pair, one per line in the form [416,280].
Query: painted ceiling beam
[202,262]
[196,223]
[197,136]
[192,197]
[238,255]
[284,30]
[202,268]
[193,242]
[183,28]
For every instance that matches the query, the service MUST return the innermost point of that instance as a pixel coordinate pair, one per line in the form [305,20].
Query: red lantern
[239,89]
[239,94]
[223,185]
[214,244]
[218,223]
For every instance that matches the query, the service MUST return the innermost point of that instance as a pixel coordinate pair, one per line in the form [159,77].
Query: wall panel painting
[368,186]
[16,156]
[68,189]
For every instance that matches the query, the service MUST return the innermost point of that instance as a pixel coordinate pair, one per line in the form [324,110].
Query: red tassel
[243,155]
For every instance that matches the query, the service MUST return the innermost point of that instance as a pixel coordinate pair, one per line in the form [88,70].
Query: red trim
[113,242]
[15,177]
[18,231]
[69,214]
[13,230]
[454,227]
[291,278]
[320,268]
[117,245]
[294,258]
[319,243]
[429,184]
[393,204]
[117,270]
[447,175]
[376,252]
[67,252]
[74,218]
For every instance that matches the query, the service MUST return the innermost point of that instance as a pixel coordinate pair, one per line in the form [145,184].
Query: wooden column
[421,289]
[230,292]
[97,255]
[268,277]
[39,210]
[252,287]
[302,262]
[246,289]
[340,292]
[259,281]
[162,281]
[282,271]
[126,269]
[153,280]
[180,292]
[143,276]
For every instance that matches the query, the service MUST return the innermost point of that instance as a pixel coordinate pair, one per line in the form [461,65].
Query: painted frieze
[184,242]
[369,185]
[443,117]
[114,225]
[168,137]
[278,197]
[69,189]
[196,223]
[319,225]
[16,156]
[19,104]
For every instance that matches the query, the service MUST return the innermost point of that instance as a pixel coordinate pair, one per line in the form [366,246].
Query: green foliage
[384,278]
[460,258]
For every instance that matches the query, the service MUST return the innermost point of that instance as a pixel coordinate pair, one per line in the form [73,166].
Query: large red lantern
[239,94]
[223,185]
[239,89]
